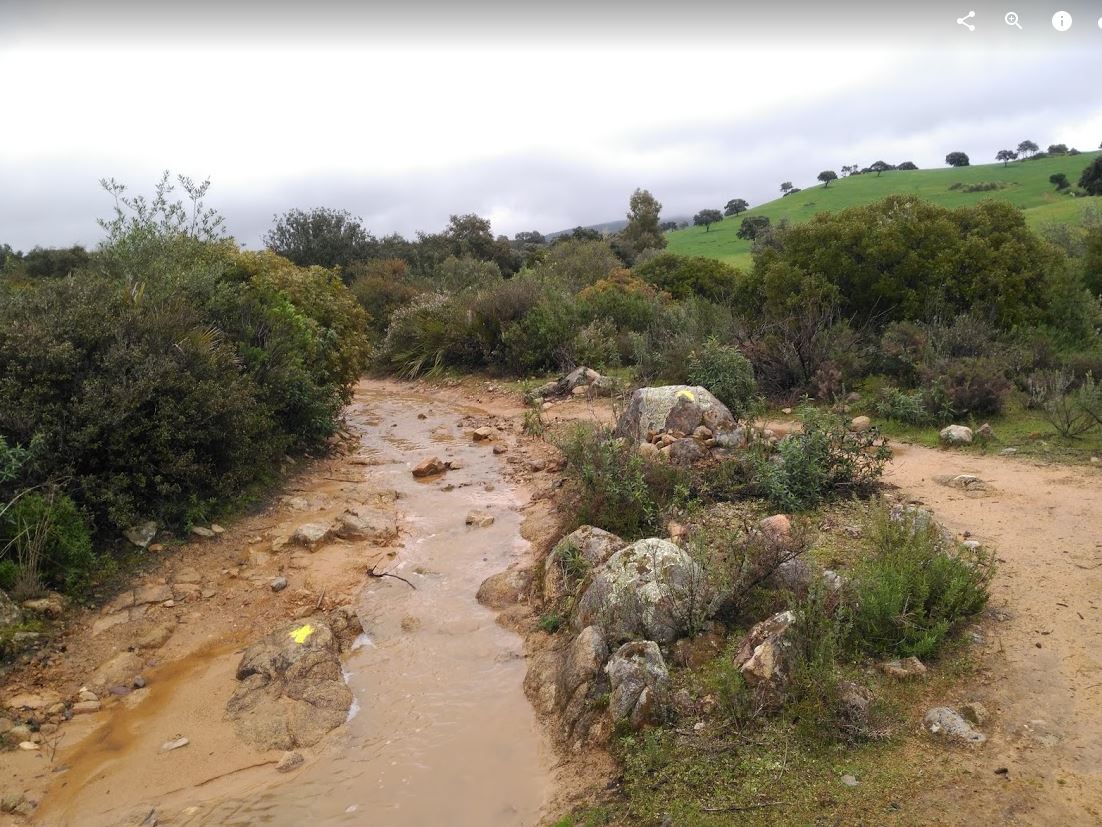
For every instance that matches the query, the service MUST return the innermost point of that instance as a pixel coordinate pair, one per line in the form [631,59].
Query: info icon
[1061,21]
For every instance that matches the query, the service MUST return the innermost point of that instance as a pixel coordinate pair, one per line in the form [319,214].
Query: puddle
[442,732]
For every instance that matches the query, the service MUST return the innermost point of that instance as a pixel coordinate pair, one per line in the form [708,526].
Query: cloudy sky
[536,117]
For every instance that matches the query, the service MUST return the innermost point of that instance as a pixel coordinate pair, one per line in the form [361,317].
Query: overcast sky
[403,122]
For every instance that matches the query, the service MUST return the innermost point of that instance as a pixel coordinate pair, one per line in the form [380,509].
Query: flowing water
[441,732]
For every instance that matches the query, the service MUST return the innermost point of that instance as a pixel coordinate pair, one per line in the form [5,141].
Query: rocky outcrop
[651,590]
[573,557]
[291,690]
[638,681]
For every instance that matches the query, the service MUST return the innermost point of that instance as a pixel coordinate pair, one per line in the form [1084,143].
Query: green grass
[1027,187]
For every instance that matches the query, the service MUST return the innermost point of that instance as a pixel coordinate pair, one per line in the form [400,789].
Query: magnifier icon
[1012,19]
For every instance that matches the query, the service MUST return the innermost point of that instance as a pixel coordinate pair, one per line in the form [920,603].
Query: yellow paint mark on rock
[688,395]
[300,634]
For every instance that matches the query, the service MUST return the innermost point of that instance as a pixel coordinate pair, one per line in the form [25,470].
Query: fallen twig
[736,808]
[372,573]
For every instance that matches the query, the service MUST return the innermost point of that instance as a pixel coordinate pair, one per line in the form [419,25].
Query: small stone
[290,761]
[87,695]
[279,584]
[849,780]
[86,707]
[141,535]
[1008,452]
[156,547]
[945,723]
[778,527]
[28,745]
[786,411]
[480,519]
[500,449]
[217,529]
[482,434]
[859,424]
[985,433]
[199,531]
[138,682]
[430,467]
[956,435]
[907,668]
[974,713]
[177,743]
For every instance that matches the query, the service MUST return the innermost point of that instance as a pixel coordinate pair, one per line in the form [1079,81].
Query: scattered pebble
[279,584]
[177,743]
[849,780]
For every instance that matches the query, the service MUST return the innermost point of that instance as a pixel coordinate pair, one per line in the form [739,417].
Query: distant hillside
[1024,184]
[609,227]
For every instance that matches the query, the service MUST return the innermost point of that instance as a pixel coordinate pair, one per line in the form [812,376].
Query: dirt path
[440,729]
[1043,665]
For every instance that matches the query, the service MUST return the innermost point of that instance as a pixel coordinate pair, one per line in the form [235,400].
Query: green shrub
[915,587]
[595,346]
[679,330]
[628,302]
[539,341]
[381,287]
[909,408]
[825,459]
[974,386]
[727,374]
[424,338]
[685,276]
[812,697]
[44,540]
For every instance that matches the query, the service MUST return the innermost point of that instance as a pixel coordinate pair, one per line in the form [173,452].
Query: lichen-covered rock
[651,589]
[943,722]
[956,435]
[639,681]
[291,690]
[679,408]
[141,535]
[584,659]
[574,556]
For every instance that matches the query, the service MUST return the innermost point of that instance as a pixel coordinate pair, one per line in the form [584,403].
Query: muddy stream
[440,731]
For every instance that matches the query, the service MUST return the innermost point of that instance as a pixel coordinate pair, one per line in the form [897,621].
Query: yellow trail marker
[688,395]
[300,634]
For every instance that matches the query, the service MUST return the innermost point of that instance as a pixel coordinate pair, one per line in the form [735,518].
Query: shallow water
[441,731]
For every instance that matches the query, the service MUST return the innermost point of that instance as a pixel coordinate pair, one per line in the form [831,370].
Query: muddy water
[441,732]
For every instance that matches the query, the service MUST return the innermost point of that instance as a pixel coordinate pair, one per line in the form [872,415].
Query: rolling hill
[1024,184]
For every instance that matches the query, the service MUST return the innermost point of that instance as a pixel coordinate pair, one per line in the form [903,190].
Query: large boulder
[587,654]
[574,556]
[956,435]
[291,690]
[680,408]
[651,589]
[638,681]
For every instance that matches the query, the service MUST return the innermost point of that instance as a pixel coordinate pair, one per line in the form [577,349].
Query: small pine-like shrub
[976,386]
[727,374]
[903,406]
[915,588]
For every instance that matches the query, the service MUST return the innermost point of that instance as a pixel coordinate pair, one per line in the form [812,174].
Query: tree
[1006,156]
[956,159]
[1057,149]
[643,231]
[686,276]
[752,226]
[706,218]
[1027,148]
[530,237]
[908,165]
[666,226]
[42,262]
[735,206]
[847,169]
[321,236]
[826,176]
[1059,180]
[787,187]
[1091,179]
[879,167]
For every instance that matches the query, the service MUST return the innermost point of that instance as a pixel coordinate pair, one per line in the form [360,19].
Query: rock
[776,528]
[793,574]
[673,407]
[176,743]
[430,467]
[311,534]
[860,424]
[735,440]
[200,531]
[833,580]
[945,723]
[985,433]
[574,556]
[1009,452]
[141,535]
[29,746]
[974,713]
[217,529]
[85,707]
[849,780]
[855,701]
[762,657]
[290,761]
[504,589]
[10,614]
[580,390]
[685,452]
[120,669]
[482,434]
[639,681]
[51,606]
[291,690]
[12,803]
[648,450]
[279,584]
[603,386]
[967,482]
[187,575]
[910,667]
[138,682]
[548,389]
[543,679]
[86,694]
[584,660]
[363,523]
[956,435]
[480,519]
[651,589]
[501,449]
[33,701]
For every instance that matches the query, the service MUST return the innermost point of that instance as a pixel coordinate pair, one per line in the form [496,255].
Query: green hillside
[1024,184]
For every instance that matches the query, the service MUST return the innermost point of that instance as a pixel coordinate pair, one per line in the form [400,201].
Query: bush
[680,329]
[821,461]
[423,338]
[539,341]
[595,346]
[381,287]
[974,386]
[44,540]
[1051,393]
[628,302]
[915,588]
[726,373]
[909,408]
[685,276]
